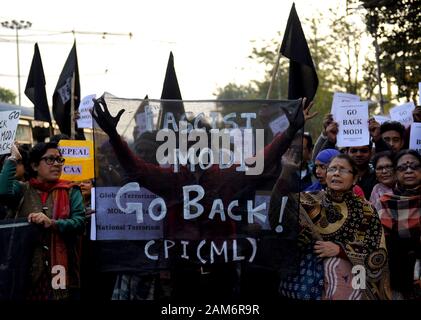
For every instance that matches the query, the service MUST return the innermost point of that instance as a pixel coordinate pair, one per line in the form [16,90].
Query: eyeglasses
[412,166]
[385,168]
[50,160]
[340,170]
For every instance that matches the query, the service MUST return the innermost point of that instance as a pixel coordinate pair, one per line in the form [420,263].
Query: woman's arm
[10,188]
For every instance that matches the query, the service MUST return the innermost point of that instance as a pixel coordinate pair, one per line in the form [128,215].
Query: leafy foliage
[397,25]
[7,96]
[336,57]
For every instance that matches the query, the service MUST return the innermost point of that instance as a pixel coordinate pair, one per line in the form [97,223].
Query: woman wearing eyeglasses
[342,230]
[400,215]
[320,164]
[385,175]
[57,207]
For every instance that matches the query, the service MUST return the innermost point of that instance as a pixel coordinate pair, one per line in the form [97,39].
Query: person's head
[383,165]
[392,133]
[361,155]
[408,168]
[320,163]
[341,173]
[307,147]
[46,162]
[85,187]
[146,145]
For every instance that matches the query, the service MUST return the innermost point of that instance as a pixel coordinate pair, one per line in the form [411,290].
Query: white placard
[8,124]
[403,113]
[340,98]
[115,224]
[85,117]
[381,119]
[353,124]
[279,125]
[415,137]
[93,220]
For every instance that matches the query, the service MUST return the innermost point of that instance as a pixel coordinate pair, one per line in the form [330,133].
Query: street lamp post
[17,25]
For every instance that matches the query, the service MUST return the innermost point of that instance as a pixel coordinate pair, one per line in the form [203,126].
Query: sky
[210,39]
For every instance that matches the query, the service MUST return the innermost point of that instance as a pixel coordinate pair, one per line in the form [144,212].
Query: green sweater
[12,191]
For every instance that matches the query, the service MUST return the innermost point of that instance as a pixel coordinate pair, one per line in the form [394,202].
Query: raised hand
[328,119]
[416,114]
[14,153]
[332,131]
[374,129]
[105,120]
[306,110]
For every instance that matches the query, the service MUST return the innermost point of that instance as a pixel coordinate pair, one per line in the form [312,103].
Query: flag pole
[72,108]
[274,72]
[51,129]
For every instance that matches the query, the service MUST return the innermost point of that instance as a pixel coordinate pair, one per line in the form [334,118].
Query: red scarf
[59,191]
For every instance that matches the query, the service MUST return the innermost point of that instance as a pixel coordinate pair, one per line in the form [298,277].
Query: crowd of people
[354,207]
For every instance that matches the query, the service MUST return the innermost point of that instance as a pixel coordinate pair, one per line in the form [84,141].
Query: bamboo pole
[274,72]
[72,109]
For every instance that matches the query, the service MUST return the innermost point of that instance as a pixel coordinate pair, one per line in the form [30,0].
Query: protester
[321,163]
[390,135]
[401,219]
[57,207]
[360,154]
[385,174]
[342,228]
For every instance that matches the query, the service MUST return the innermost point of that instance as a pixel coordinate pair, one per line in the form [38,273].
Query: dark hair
[346,157]
[309,139]
[401,153]
[377,156]
[38,151]
[146,145]
[392,126]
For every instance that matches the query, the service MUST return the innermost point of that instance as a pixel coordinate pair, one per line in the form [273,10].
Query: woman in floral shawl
[341,229]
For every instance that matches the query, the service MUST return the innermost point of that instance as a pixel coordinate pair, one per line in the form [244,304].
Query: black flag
[303,81]
[35,88]
[171,91]
[63,92]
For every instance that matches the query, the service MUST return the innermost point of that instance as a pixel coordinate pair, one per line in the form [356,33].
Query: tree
[337,58]
[265,55]
[396,24]
[7,96]
[233,91]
